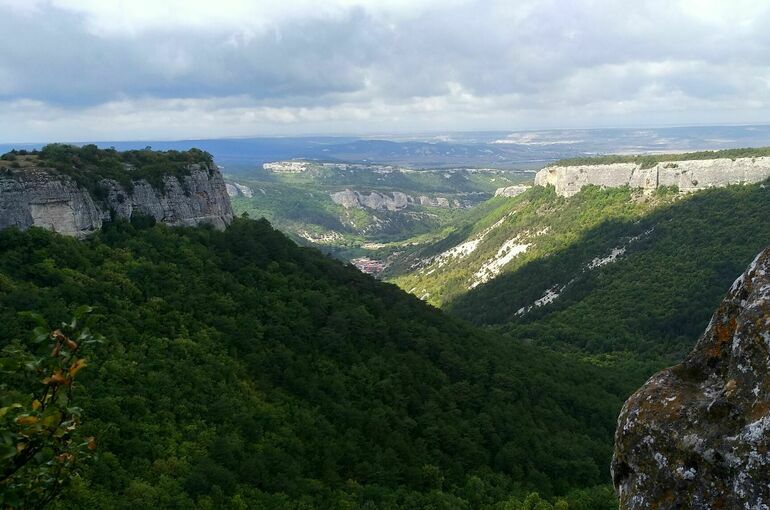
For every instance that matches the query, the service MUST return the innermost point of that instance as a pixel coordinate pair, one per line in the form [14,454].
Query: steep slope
[646,285]
[511,233]
[244,372]
[73,190]
[604,270]
[697,435]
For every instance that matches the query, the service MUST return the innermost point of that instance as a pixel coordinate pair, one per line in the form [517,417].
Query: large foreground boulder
[697,435]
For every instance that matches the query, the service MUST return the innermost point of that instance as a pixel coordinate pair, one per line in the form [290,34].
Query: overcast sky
[166,69]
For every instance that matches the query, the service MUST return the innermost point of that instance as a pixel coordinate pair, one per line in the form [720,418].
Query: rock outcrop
[511,191]
[372,200]
[697,435]
[689,175]
[427,201]
[396,201]
[235,189]
[44,198]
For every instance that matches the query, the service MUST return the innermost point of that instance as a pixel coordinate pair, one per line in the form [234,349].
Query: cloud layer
[90,69]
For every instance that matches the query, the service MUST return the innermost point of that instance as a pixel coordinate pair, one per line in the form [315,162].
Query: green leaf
[35,317]
[6,409]
[82,311]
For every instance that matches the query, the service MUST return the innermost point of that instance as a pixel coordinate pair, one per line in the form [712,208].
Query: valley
[392,255]
[358,210]
[554,307]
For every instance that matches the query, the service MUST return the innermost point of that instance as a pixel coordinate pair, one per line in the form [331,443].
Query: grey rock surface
[372,200]
[42,198]
[697,435]
[511,191]
[394,201]
[427,201]
[235,189]
[689,175]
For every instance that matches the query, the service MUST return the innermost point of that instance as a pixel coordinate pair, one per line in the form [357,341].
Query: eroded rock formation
[690,175]
[394,201]
[511,191]
[697,435]
[40,197]
[372,200]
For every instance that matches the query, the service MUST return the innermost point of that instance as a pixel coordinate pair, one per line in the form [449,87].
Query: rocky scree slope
[697,435]
[34,192]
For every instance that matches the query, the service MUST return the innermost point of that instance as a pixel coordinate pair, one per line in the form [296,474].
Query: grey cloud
[505,56]
[59,61]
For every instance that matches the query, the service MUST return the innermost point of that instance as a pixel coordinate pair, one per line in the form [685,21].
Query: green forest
[88,165]
[238,370]
[149,366]
[654,300]
[650,160]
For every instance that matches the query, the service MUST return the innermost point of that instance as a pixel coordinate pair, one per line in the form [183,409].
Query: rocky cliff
[698,435]
[688,175]
[511,191]
[42,197]
[396,201]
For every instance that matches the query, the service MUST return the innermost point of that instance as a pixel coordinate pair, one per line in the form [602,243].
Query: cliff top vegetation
[650,160]
[89,165]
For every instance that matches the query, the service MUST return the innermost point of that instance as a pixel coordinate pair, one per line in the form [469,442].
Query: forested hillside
[646,285]
[511,232]
[241,371]
[607,270]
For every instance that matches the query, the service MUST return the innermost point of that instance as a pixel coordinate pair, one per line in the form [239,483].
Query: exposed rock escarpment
[511,191]
[41,197]
[235,189]
[697,435]
[688,175]
[396,201]
[373,200]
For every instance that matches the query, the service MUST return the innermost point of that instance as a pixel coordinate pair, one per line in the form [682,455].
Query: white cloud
[95,69]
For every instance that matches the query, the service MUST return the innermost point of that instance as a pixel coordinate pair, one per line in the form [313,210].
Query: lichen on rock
[697,435]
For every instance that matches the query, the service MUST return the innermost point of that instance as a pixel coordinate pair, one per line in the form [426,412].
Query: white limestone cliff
[687,175]
[39,197]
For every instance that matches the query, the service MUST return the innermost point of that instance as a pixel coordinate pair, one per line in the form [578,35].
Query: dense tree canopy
[241,371]
[88,165]
[650,160]
[656,298]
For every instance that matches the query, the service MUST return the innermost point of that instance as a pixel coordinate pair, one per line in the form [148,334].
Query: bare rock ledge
[697,435]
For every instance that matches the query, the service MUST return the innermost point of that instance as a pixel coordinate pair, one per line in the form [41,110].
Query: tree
[40,444]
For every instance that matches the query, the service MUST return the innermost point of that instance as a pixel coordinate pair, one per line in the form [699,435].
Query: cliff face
[381,201]
[510,191]
[689,175]
[698,435]
[40,197]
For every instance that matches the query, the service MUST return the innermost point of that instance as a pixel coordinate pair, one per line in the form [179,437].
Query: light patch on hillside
[491,268]
[554,292]
[547,298]
[462,250]
[603,261]
[235,189]
[327,238]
